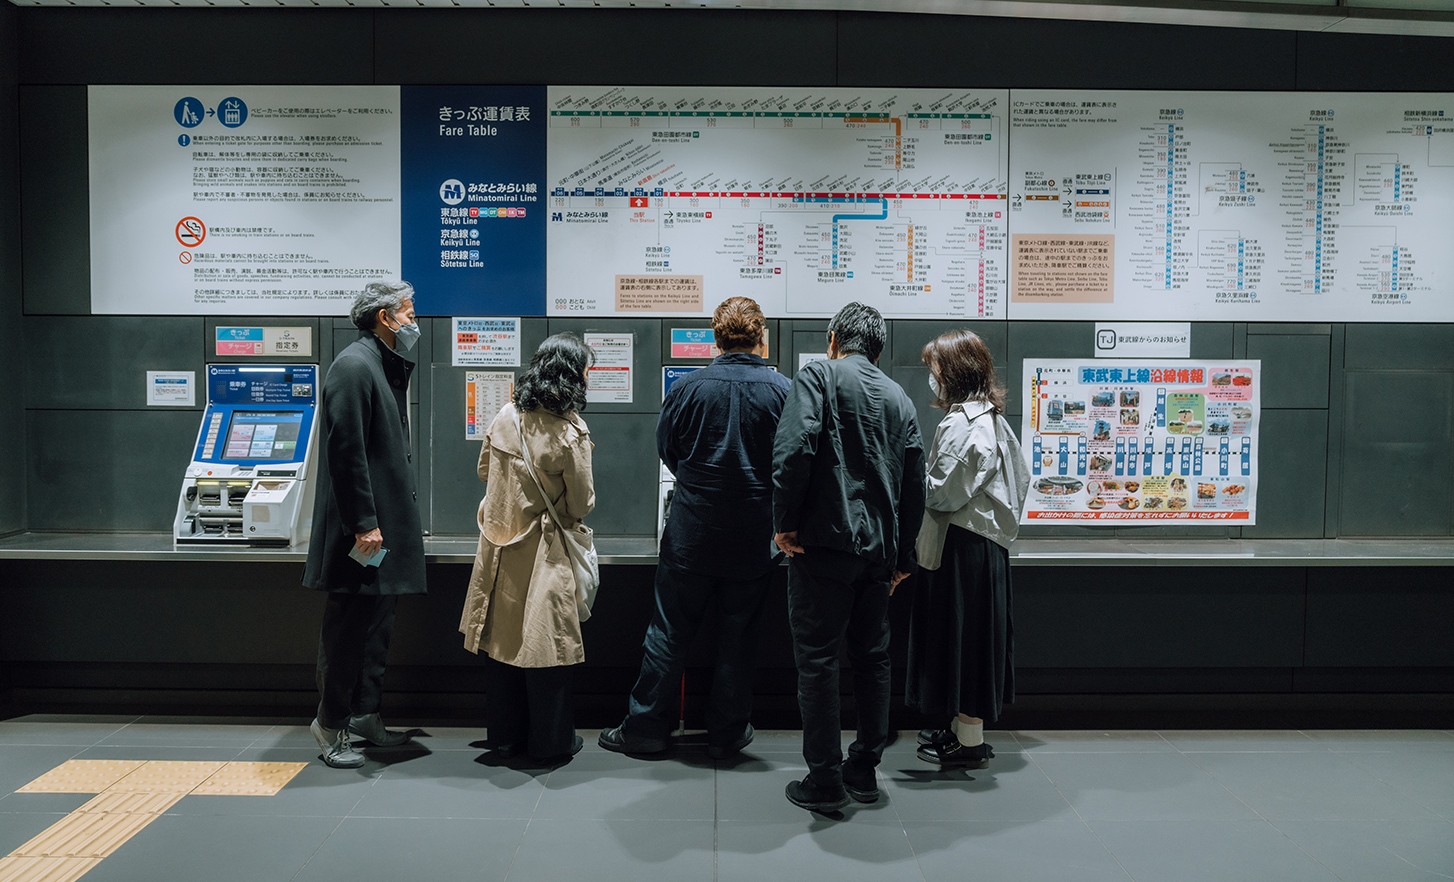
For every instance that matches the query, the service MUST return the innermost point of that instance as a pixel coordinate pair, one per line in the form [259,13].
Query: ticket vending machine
[250,481]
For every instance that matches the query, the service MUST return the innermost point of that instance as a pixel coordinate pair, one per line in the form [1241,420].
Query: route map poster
[1231,206]
[254,200]
[1141,440]
[802,199]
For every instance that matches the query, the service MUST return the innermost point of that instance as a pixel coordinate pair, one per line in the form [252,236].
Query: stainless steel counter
[632,551]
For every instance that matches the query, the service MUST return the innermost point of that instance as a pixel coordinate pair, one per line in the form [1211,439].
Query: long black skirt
[961,633]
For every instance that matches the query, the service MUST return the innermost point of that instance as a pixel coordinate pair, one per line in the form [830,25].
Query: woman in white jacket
[961,659]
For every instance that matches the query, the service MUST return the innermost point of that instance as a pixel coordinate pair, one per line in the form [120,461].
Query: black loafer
[617,741]
[575,747]
[722,751]
[957,756]
[861,789]
[806,796]
[936,736]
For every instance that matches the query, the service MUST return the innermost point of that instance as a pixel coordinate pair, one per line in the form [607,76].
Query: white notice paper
[485,394]
[241,200]
[609,379]
[493,342]
[171,388]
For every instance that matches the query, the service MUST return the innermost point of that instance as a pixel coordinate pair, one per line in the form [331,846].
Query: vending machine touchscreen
[249,481]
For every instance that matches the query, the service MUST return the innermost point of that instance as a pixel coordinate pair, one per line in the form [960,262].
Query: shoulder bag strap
[525,455]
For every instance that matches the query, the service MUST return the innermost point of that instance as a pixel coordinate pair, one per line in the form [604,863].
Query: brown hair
[737,323]
[965,370]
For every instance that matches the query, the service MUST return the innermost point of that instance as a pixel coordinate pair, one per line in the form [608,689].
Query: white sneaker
[337,750]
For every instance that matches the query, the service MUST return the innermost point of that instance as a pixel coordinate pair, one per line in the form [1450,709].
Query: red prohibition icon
[185,257]
[191,231]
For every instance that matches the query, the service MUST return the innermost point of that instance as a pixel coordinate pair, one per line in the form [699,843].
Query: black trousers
[530,708]
[838,601]
[353,647]
[682,602]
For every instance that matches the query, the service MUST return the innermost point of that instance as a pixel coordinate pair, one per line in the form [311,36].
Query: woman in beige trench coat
[521,607]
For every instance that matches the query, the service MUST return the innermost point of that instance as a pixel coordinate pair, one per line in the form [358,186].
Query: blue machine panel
[257,415]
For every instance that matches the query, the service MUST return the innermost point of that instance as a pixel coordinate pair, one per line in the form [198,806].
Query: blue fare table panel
[473,170]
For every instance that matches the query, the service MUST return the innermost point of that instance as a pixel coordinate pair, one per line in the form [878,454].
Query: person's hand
[788,542]
[898,577]
[368,544]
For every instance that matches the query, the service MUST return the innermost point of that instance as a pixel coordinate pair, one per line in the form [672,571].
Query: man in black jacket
[848,497]
[365,501]
[715,434]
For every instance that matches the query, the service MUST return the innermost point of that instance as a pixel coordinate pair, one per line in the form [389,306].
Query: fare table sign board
[1141,440]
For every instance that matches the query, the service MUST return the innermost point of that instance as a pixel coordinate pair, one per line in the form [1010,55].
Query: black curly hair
[556,378]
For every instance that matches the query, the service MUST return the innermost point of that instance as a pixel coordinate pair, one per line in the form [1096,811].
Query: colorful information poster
[481,342]
[670,200]
[1231,206]
[241,200]
[1141,440]
[485,394]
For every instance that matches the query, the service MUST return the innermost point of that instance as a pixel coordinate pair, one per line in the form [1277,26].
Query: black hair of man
[859,329]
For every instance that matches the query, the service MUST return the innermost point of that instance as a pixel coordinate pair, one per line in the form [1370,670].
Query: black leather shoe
[617,741]
[370,728]
[936,736]
[957,756]
[814,799]
[575,747]
[722,751]
[861,788]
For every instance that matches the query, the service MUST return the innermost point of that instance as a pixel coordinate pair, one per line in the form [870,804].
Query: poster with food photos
[1141,441]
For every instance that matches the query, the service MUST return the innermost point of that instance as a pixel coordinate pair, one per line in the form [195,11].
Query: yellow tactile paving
[82,776]
[85,835]
[44,869]
[249,779]
[131,794]
[166,777]
[122,802]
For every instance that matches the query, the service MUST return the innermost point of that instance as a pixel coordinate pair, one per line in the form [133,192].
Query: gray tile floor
[1144,806]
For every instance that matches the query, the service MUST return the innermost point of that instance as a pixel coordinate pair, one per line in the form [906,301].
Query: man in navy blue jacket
[715,434]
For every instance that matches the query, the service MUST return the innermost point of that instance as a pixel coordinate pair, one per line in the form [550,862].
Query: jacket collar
[394,363]
[972,409]
[739,358]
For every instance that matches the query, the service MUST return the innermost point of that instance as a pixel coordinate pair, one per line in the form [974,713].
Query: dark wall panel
[626,472]
[100,362]
[12,407]
[1158,617]
[1374,63]
[1292,472]
[740,47]
[1379,617]
[1294,369]
[957,51]
[186,46]
[54,194]
[118,470]
[1399,347]
[1398,434]
[454,488]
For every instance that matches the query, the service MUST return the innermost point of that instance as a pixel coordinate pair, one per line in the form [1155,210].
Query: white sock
[969,734]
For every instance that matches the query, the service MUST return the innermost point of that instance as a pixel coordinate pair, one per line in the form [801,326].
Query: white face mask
[933,384]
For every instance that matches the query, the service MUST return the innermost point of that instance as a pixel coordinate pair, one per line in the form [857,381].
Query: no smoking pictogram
[191,231]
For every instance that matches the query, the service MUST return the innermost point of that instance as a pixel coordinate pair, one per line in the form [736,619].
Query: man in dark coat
[365,504]
[848,497]
[715,434]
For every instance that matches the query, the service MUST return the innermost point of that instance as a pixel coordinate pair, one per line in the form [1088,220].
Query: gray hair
[376,296]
